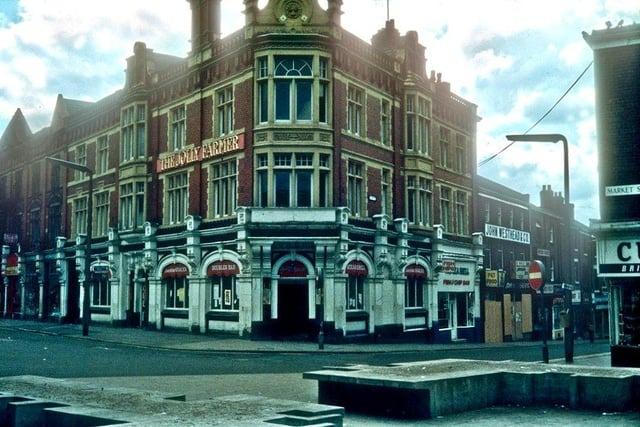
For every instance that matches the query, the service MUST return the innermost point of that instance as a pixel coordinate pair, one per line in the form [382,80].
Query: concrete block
[29,413]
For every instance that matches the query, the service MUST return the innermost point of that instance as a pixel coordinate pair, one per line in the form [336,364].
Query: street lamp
[555,138]
[86,308]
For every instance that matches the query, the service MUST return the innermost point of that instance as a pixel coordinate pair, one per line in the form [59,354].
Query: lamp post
[86,307]
[555,138]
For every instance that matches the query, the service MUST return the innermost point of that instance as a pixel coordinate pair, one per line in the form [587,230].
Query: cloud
[512,58]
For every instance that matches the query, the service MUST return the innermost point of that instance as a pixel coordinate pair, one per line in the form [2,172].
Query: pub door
[293,308]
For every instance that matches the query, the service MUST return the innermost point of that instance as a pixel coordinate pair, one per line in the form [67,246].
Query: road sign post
[536,281]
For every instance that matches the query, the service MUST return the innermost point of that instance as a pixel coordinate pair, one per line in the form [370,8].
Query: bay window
[293,80]
[133,132]
[418,124]
[419,200]
[132,199]
[296,179]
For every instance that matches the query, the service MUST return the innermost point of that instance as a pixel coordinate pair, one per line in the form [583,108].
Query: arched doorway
[295,299]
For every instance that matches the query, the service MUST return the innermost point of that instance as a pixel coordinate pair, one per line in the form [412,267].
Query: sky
[512,58]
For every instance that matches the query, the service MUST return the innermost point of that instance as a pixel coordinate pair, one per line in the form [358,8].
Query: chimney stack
[205,23]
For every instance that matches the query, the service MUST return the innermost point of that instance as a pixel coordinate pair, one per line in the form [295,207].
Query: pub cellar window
[223,188]
[178,133]
[133,132]
[132,197]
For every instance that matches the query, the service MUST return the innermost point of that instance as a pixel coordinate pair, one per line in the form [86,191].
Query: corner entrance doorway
[293,308]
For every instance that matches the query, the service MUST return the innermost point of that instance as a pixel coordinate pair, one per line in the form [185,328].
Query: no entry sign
[536,273]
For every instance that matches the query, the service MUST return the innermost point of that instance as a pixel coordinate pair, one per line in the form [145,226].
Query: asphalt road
[26,353]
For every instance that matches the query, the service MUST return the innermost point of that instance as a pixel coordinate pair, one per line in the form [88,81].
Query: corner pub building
[287,177]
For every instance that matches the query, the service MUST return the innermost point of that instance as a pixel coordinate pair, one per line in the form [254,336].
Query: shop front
[619,264]
[457,301]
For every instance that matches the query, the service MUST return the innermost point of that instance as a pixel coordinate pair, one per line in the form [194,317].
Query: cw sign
[618,258]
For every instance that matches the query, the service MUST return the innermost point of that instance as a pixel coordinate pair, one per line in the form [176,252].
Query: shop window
[133,132]
[355,110]
[418,124]
[444,314]
[132,199]
[224,108]
[223,188]
[224,294]
[445,208]
[177,197]
[629,317]
[177,292]
[100,290]
[355,293]
[293,80]
[102,155]
[355,191]
[464,308]
[178,127]
[101,214]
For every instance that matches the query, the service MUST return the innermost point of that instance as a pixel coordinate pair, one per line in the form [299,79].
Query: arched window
[176,285]
[293,79]
[357,272]
[224,293]
[415,276]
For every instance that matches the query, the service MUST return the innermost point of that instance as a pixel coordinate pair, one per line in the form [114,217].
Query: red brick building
[285,177]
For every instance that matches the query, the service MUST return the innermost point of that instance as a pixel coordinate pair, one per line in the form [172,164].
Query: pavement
[185,341]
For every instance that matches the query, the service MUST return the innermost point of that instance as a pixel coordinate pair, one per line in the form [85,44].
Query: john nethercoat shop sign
[619,257]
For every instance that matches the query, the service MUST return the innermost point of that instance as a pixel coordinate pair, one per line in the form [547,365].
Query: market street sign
[622,190]
[503,233]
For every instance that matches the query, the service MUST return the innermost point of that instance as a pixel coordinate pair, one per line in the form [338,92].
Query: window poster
[227,297]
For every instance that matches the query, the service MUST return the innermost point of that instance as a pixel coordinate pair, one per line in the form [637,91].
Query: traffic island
[443,387]
[30,400]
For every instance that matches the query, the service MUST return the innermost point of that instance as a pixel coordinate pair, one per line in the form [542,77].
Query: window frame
[133,132]
[228,183]
[356,106]
[178,128]
[356,172]
[224,111]
[176,197]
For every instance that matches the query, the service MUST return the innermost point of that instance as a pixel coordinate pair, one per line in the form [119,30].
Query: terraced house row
[285,178]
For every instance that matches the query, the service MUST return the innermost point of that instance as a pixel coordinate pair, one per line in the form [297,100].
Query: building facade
[285,178]
[616,63]
[517,231]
